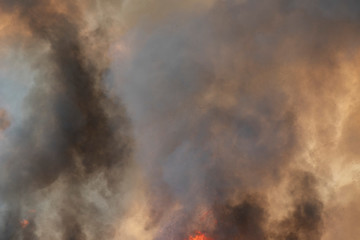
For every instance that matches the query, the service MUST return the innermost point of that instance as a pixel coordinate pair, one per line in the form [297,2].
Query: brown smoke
[4,120]
[244,108]
[244,117]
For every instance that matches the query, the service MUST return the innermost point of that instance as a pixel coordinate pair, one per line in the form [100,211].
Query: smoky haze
[160,120]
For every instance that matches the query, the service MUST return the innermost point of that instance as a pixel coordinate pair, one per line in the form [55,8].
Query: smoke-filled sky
[163,120]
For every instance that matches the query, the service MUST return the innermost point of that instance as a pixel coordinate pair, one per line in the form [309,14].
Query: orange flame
[24,223]
[199,236]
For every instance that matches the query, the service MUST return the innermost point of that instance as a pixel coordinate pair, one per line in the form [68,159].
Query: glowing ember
[24,223]
[199,236]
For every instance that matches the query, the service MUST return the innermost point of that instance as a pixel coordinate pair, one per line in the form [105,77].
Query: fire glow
[199,236]
[24,223]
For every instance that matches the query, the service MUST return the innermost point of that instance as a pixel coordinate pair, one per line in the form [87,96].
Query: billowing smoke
[73,137]
[157,120]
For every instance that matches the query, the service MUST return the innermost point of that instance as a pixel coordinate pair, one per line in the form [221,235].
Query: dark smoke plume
[244,220]
[73,130]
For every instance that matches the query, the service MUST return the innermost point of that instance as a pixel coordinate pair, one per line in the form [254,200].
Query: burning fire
[199,236]
[24,223]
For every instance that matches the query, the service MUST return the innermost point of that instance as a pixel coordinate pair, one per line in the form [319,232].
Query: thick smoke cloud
[157,120]
[73,133]
[239,99]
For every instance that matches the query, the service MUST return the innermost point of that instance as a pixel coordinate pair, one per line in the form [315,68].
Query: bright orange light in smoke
[199,236]
[24,223]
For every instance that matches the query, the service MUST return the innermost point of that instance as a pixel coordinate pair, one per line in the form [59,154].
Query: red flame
[199,236]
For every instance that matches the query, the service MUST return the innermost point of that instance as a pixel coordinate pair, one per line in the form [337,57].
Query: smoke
[157,120]
[240,110]
[74,135]
[4,120]
[244,220]
[305,219]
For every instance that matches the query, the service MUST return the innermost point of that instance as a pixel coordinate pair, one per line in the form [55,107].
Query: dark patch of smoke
[305,220]
[249,218]
[244,220]
[73,129]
